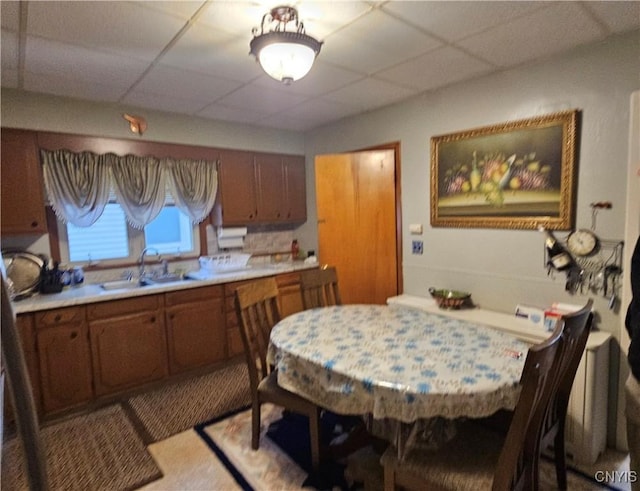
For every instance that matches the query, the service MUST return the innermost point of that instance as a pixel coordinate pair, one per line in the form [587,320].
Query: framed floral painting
[515,175]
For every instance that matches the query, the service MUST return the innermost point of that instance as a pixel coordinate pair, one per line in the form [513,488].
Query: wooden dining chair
[478,458]
[320,288]
[257,310]
[575,332]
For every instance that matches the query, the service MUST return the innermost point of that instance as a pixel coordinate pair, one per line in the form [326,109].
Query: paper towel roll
[232,232]
[230,242]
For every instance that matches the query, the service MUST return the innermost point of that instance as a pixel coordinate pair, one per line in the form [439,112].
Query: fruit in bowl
[450,299]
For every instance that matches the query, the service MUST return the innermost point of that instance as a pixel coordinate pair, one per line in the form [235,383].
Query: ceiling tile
[435,69]
[52,58]
[321,79]
[235,114]
[163,80]
[215,53]
[10,78]
[10,15]
[9,46]
[71,86]
[261,99]
[120,27]
[558,27]
[374,42]
[369,93]
[617,16]
[180,56]
[170,103]
[444,19]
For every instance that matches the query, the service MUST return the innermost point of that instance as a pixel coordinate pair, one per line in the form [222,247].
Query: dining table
[403,368]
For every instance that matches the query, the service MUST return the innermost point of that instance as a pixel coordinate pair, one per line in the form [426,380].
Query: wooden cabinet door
[128,350]
[295,189]
[237,189]
[289,294]
[26,329]
[196,332]
[271,188]
[65,366]
[21,185]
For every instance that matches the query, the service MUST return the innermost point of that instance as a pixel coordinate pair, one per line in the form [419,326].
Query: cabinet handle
[153,319]
[34,224]
[74,335]
[57,318]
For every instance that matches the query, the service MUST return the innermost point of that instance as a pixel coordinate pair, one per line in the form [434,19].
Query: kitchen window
[111,240]
[110,208]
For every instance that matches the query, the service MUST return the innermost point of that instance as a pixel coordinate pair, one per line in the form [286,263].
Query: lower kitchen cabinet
[128,343]
[26,331]
[289,294]
[195,328]
[64,358]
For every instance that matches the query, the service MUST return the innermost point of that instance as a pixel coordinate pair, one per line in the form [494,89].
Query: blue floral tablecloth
[396,362]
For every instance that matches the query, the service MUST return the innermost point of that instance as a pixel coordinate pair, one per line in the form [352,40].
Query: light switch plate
[415,229]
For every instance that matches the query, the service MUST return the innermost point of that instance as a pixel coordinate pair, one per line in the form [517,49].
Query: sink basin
[120,285]
[165,278]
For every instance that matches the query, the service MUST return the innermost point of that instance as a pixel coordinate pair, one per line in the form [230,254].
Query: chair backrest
[258,311]
[575,330]
[320,288]
[518,459]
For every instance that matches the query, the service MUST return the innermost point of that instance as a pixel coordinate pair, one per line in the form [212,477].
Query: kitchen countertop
[91,293]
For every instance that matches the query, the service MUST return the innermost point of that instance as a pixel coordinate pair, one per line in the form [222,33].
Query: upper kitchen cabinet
[261,188]
[295,188]
[22,199]
[237,202]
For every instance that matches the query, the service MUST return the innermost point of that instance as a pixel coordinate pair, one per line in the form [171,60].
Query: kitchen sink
[165,278]
[121,285]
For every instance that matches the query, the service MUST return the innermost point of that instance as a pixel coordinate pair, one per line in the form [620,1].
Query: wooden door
[357,224]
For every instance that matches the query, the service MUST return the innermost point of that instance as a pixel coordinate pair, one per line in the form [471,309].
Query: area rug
[96,451]
[273,467]
[182,405]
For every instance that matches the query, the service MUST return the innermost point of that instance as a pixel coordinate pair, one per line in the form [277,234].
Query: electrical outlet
[416,247]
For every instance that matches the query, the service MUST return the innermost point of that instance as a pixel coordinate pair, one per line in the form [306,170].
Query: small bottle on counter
[295,250]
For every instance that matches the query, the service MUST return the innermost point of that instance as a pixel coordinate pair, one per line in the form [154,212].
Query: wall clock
[583,242]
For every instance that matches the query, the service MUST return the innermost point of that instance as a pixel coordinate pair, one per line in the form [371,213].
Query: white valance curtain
[79,184]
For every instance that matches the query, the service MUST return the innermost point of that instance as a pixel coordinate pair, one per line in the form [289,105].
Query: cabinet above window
[260,188]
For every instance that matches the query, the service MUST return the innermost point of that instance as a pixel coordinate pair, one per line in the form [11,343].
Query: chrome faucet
[141,261]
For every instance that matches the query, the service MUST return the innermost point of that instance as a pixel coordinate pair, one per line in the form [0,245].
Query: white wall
[505,267]
[48,113]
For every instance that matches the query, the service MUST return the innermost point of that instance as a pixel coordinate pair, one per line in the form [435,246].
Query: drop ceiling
[192,57]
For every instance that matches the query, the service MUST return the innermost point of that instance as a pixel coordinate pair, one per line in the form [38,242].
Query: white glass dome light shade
[285,56]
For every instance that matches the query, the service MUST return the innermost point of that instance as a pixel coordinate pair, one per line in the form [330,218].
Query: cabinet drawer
[288,279]
[60,316]
[194,295]
[105,310]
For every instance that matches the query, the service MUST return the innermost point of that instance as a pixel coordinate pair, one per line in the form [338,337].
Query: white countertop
[91,293]
[516,326]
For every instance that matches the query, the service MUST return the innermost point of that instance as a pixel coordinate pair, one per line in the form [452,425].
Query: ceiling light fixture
[284,55]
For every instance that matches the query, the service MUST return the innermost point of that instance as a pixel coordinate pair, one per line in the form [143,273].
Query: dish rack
[223,263]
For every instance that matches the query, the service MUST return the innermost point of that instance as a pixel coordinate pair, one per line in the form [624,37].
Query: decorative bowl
[450,299]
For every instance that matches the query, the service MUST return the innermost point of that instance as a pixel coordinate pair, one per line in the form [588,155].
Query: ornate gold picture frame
[513,175]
